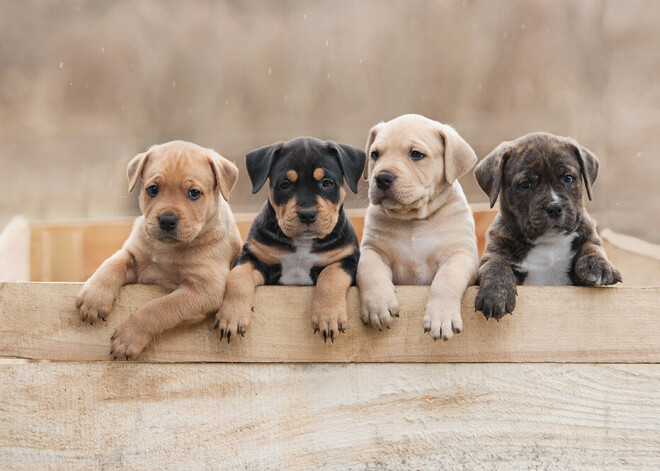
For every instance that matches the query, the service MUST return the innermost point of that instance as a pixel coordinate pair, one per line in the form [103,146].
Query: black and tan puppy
[301,236]
[542,235]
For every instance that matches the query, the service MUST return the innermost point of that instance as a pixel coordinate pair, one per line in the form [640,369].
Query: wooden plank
[637,260]
[550,324]
[15,250]
[360,417]
[73,250]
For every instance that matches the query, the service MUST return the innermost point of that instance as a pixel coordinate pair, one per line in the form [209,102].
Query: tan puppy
[186,241]
[419,228]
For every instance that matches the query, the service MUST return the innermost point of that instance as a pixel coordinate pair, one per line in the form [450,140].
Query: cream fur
[421,233]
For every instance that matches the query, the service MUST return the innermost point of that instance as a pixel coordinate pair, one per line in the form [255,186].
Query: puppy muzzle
[167,228]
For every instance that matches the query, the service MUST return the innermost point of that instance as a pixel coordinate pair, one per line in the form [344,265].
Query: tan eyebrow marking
[319,173]
[292,175]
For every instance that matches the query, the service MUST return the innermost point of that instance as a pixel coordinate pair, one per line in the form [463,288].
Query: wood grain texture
[303,417]
[550,324]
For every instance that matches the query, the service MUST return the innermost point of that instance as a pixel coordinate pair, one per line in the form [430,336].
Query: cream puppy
[186,241]
[419,228]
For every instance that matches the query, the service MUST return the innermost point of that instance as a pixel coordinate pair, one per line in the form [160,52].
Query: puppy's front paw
[379,306]
[496,300]
[128,340]
[94,302]
[596,271]
[329,318]
[233,318]
[441,322]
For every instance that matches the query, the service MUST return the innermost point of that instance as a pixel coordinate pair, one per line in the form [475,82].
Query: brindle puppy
[543,235]
[302,235]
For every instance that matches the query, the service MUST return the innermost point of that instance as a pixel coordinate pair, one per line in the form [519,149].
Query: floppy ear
[351,161]
[370,140]
[225,173]
[258,163]
[459,156]
[134,169]
[589,165]
[489,171]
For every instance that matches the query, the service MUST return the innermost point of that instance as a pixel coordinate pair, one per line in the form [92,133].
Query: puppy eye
[152,190]
[525,184]
[194,194]
[374,154]
[285,185]
[327,183]
[568,179]
[416,155]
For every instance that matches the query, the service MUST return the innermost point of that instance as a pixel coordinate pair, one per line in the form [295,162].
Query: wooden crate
[570,381]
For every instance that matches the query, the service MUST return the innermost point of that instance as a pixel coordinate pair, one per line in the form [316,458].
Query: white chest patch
[549,262]
[296,265]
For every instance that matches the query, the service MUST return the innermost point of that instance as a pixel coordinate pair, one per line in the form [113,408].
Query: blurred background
[84,86]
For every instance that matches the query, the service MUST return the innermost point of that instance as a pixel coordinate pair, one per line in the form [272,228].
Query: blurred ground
[84,86]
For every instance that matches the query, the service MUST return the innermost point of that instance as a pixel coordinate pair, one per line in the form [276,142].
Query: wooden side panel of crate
[15,250]
[550,324]
[637,260]
[72,251]
[302,417]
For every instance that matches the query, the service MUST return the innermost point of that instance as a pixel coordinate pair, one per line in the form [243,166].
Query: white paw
[442,323]
[379,306]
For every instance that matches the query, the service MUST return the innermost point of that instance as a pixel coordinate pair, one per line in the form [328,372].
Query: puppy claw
[316,329]
[217,324]
[228,336]
[242,332]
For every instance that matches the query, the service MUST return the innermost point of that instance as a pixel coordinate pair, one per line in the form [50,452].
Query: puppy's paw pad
[496,301]
[596,271]
[379,309]
[329,321]
[94,303]
[232,319]
[442,325]
[128,341]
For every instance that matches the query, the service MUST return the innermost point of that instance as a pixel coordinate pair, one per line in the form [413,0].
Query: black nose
[307,216]
[554,210]
[384,180]
[168,222]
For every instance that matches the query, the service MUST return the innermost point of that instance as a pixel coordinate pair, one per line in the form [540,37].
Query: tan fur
[267,254]
[328,214]
[421,231]
[329,305]
[319,173]
[287,216]
[233,317]
[331,256]
[194,268]
[292,175]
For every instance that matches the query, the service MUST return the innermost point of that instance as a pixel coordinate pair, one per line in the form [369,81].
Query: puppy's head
[182,184]
[306,177]
[411,160]
[539,180]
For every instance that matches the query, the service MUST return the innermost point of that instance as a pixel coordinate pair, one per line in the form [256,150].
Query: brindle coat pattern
[304,174]
[528,174]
